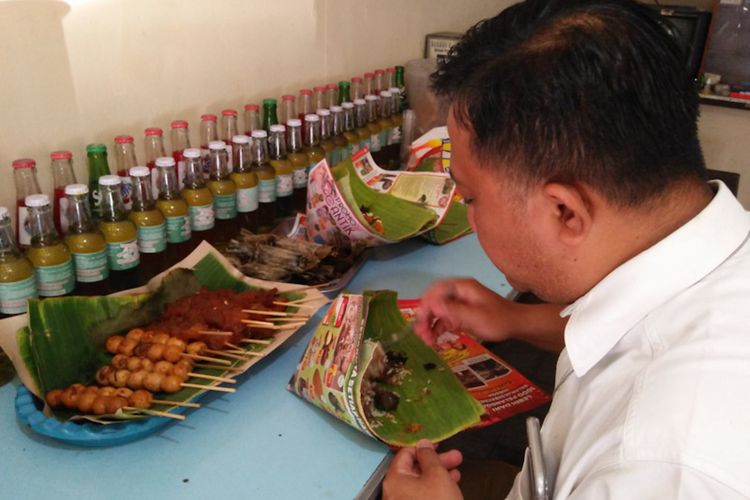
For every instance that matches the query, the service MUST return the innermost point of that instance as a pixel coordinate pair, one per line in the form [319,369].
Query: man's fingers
[451,459]
[427,457]
[455,475]
[404,463]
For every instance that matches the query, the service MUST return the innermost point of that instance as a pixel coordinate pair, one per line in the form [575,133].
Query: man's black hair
[577,91]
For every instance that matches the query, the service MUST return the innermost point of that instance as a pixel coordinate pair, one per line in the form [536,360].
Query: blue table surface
[260,442]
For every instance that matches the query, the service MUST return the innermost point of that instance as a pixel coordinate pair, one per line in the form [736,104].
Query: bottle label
[267,191]
[225,206]
[13,296]
[95,196]
[247,199]
[178,228]
[284,185]
[201,217]
[365,143]
[299,178]
[53,281]
[395,136]
[384,136]
[64,222]
[91,267]
[375,145]
[123,255]
[352,148]
[152,239]
[336,156]
[329,157]
[127,191]
[24,227]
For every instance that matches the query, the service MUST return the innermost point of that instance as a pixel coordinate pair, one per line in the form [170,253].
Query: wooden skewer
[175,403]
[217,367]
[215,332]
[293,319]
[254,322]
[207,358]
[275,313]
[156,413]
[293,304]
[256,341]
[209,387]
[287,326]
[303,300]
[303,288]
[213,377]
[233,356]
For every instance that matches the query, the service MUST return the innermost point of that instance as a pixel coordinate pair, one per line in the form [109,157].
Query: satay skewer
[207,358]
[215,332]
[175,403]
[256,341]
[218,367]
[281,314]
[255,322]
[155,412]
[235,356]
[212,377]
[301,303]
[209,387]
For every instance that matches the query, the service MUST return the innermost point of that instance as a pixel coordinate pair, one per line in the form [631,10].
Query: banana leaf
[433,403]
[454,225]
[398,219]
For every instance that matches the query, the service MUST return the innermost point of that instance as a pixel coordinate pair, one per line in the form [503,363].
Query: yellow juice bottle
[224,193]
[246,181]
[198,197]
[17,283]
[360,115]
[283,169]
[372,123]
[150,223]
[299,161]
[350,133]
[121,236]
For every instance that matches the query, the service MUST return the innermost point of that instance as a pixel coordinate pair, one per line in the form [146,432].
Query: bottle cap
[323,112]
[240,139]
[344,83]
[379,71]
[96,148]
[76,189]
[109,180]
[347,105]
[294,122]
[356,79]
[139,171]
[287,97]
[312,118]
[61,155]
[385,93]
[154,131]
[332,86]
[259,134]
[277,128]
[369,75]
[391,70]
[37,200]
[208,118]
[24,163]
[394,90]
[179,124]
[269,102]
[370,97]
[251,107]
[336,109]
[214,145]
[165,161]
[124,139]
[305,92]
[192,153]
[4,213]
[228,112]
[359,102]
[319,89]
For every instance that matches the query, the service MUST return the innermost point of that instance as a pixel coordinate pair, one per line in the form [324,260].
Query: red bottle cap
[61,155]
[24,163]
[356,79]
[208,118]
[251,107]
[379,72]
[319,89]
[391,70]
[124,139]
[229,112]
[287,97]
[154,131]
[332,86]
[369,75]
[305,92]
[179,124]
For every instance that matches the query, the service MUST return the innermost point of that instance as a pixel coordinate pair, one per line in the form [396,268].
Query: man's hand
[422,473]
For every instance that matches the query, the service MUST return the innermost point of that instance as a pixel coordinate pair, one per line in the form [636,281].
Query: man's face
[504,218]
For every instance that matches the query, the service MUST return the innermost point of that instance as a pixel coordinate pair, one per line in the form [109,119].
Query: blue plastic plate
[88,434]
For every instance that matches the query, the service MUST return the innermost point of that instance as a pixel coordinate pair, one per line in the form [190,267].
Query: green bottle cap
[269,102]
[96,148]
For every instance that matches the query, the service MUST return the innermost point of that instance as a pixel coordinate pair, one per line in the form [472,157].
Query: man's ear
[571,209]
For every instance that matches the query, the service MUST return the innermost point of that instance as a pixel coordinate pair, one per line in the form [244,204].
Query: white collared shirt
[653,386]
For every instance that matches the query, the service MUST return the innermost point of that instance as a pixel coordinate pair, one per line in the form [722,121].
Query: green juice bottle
[53,264]
[17,283]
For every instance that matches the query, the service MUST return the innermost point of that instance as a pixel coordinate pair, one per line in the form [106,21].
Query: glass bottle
[325,136]
[198,197]
[252,118]
[337,133]
[208,133]
[86,243]
[396,116]
[53,265]
[62,175]
[401,85]
[305,107]
[229,129]
[269,114]
[390,78]
[350,130]
[368,84]
[154,144]
[124,153]
[98,167]
[332,95]
[319,98]
[379,81]
[24,177]
[360,121]
[384,118]
[284,171]
[17,283]
[150,224]
[246,181]
[372,122]
[120,234]
[312,149]
[266,181]
[299,161]
[391,150]
[174,209]
[180,138]
[356,90]
[224,192]
[288,108]
[344,95]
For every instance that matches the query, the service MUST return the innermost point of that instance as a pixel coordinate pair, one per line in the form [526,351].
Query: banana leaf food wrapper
[396,390]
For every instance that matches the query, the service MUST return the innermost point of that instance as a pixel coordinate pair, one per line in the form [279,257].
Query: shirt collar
[601,317]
